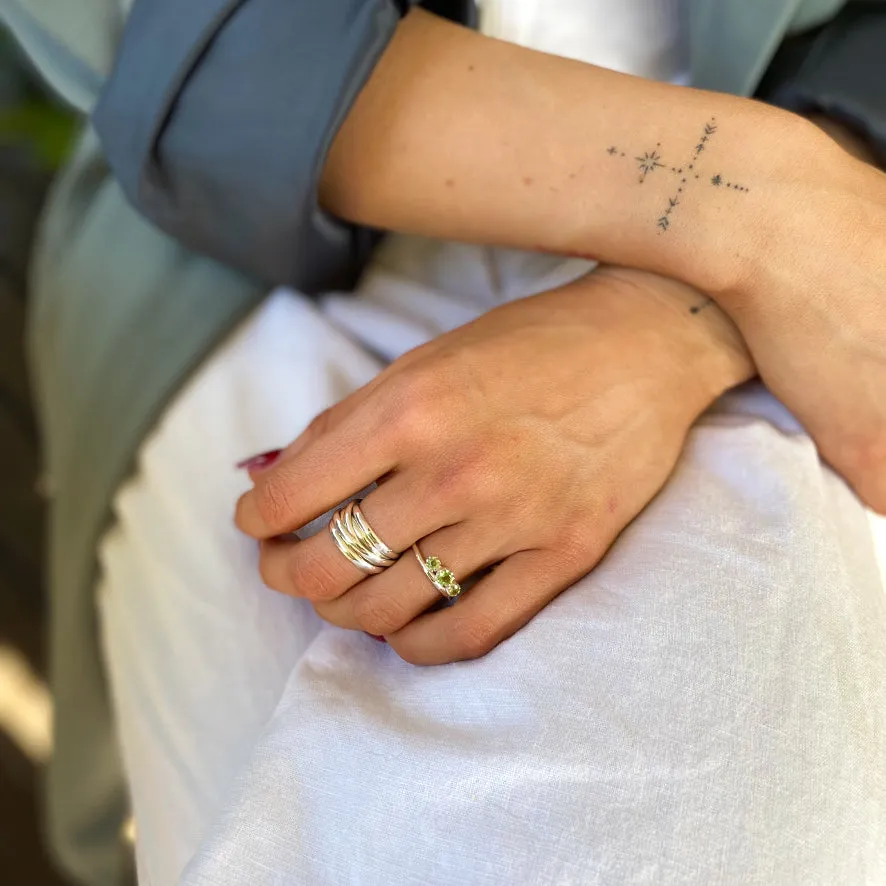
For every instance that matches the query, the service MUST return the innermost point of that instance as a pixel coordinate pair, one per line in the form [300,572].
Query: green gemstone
[433,563]
[446,578]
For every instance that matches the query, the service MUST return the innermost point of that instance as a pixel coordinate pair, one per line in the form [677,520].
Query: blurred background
[35,135]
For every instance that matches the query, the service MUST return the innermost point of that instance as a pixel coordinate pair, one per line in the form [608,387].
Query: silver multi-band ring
[356,539]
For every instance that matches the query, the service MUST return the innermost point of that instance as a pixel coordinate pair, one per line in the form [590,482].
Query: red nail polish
[260,462]
[374,637]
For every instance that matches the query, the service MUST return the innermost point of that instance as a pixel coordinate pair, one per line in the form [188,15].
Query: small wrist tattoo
[697,309]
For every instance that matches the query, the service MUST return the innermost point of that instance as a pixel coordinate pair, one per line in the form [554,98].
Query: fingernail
[260,462]
[374,637]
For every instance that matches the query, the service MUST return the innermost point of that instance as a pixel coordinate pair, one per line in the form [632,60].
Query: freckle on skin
[470,67]
[450,183]
[527,181]
[612,504]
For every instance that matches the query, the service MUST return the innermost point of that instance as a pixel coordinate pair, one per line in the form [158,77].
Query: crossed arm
[462,137]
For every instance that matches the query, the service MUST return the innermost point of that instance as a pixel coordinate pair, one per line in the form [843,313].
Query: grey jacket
[129,296]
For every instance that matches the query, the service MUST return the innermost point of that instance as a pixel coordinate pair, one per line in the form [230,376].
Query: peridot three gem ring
[355,538]
[441,577]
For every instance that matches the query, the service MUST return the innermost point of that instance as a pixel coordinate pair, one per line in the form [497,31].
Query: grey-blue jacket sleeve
[838,70]
[218,116]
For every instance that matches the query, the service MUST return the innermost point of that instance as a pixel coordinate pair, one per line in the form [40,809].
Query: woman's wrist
[684,334]
[745,179]
[733,238]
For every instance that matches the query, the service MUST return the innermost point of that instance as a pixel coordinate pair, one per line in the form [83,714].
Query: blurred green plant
[47,130]
[30,119]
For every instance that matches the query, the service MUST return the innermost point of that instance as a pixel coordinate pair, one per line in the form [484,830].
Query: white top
[643,37]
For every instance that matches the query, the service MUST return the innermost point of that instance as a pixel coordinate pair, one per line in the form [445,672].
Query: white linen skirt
[707,706]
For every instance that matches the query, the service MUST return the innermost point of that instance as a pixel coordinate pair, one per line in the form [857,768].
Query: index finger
[331,468]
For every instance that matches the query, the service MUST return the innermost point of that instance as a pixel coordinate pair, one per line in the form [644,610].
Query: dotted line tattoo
[651,161]
[697,309]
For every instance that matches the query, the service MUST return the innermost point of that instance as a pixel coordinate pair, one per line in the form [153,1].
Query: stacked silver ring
[356,539]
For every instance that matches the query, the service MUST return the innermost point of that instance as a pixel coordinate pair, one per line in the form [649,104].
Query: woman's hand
[526,440]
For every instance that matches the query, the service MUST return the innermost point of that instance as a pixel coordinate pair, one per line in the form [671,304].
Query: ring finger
[387,602]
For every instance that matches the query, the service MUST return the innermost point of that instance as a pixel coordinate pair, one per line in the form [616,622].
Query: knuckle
[316,428]
[478,468]
[313,576]
[379,613]
[471,474]
[409,387]
[450,492]
[415,403]
[275,503]
[319,424]
[473,637]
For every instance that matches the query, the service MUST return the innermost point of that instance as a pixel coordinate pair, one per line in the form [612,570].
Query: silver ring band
[366,532]
[355,538]
[441,578]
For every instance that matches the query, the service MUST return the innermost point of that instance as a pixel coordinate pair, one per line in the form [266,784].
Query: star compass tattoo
[687,174]
[649,162]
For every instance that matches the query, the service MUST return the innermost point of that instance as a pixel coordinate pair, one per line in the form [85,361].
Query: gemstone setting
[443,579]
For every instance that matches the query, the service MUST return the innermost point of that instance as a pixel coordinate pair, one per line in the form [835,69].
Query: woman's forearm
[464,137]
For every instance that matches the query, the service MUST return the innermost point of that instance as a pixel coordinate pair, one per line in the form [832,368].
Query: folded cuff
[218,117]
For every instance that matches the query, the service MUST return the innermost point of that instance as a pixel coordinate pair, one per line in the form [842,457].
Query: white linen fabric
[708,706]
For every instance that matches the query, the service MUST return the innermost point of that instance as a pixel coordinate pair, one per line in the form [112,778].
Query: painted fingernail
[374,637]
[260,462]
